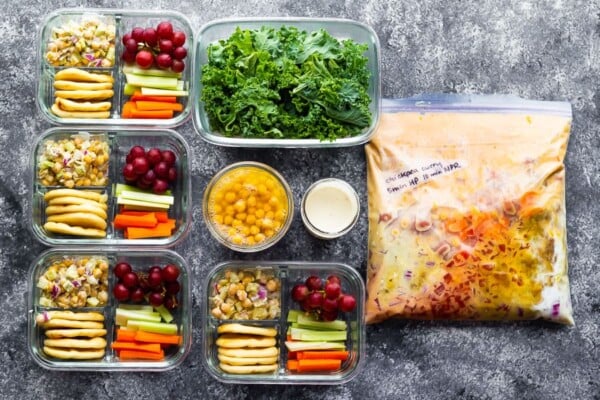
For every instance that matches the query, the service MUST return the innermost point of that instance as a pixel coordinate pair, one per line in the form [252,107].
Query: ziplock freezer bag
[467,210]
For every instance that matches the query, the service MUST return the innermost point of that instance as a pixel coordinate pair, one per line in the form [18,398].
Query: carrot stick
[159,114]
[318,365]
[125,336]
[158,105]
[140,355]
[162,229]
[292,365]
[324,354]
[127,107]
[144,221]
[161,216]
[293,355]
[138,96]
[151,337]
[150,347]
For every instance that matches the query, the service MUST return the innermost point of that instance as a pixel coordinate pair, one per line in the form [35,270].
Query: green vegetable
[158,82]
[310,335]
[147,197]
[286,83]
[155,327]
[303,346]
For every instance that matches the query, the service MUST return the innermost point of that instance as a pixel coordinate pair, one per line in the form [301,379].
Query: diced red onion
[555,309]
[76,283]
[46,316]
[89,57]
[408,274]
[55,291]
[262,292]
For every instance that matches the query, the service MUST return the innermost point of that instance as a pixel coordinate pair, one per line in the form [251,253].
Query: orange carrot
[292,365]
[138,96]
[125,336]
[292,355]
[127,107]
[150,347]
[161,338]
[158,105]
[159,114]
[162,229]
[140,355]
[144,221]
[161,216]
[318,365]
[324,354]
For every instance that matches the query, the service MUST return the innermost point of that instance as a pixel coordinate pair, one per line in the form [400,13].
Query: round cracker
[248,369]
[260,352]
[233,341]
[80,75]
[64,229]
[70,333]
[73,85]
[82,344]
[66,200]
[73,354]
[87,208]
[246,360]
[69,323]
[84,219]
[84,194]
[70,105]
[85,94]
[247,329]
[56,110]
[76,316]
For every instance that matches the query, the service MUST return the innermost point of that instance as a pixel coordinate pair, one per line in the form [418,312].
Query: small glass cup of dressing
[330,208]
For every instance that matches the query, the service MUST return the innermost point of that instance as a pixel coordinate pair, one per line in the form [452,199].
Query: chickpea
[232,289]
[271,285]
[97,273]
[247,303]
[216,312]
[226,308]
[241,295]
[103,297]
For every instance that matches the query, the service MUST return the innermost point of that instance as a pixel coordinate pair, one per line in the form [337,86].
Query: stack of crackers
[82,94]
[244,349]
[76,212]
[73,335]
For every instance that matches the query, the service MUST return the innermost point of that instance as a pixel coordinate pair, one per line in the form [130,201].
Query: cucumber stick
[148,91]
[155,327]
[145,204]
[120,187]
[147,197]
[146,81]
[317,336]
[129,90]
[310,323]
[304,346]
[130,69]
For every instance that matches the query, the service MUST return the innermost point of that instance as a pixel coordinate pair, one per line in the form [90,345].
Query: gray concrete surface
[535,49]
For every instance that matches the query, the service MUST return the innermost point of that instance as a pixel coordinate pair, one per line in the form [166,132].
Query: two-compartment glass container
[103,40]
[285,274]
[38,308]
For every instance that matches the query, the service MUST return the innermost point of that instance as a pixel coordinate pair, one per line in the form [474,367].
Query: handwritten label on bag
[423,172]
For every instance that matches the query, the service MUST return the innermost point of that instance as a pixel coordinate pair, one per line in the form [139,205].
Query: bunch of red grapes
[326,301]
[163,46]
[158,285]
[154,169]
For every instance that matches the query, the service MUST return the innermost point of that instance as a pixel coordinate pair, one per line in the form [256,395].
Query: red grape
[313,282]
[125,38]
[138,34]
[179,53]
[299,292]
[128,57]
[144,283]
[131,45]
[169,157]
[137,151]
[120,292]
[154,279]
[178,38]
[329,315]
[170,273]
[346,303]
[144,59]
[128,173]
[164,30]
[314,300]
[121,269]
[329,305]
[130,280]
[160,186]
[333,290]
[149,177]
[154,156]
[140,165]
[171,302]
[150,37]
[165,45]
[177,66]
[137,296]
[333,278]
[162,169]
[154,268]
[172,287]
[172,177]
[304,305]
[143,185]
[164,60]
[156,299]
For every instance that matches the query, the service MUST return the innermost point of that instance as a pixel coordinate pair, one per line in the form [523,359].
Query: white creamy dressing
[331,206]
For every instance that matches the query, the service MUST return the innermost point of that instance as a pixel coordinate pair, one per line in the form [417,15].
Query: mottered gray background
[545,50]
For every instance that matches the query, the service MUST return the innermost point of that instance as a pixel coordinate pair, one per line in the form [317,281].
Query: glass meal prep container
[73,343]
[338,28]
[91,161]
[92,41]
[268,285]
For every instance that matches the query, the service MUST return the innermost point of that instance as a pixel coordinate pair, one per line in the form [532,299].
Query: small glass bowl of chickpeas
[248,206]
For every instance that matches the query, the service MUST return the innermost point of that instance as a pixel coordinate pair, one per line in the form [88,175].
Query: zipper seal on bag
[441,102]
